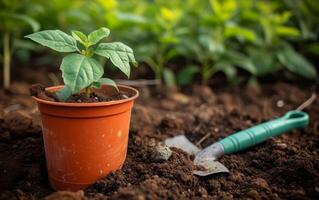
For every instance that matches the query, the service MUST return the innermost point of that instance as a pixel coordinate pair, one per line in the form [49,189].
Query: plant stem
[205,74]
[158,75]
[155,67]
[88,91]
[6,60]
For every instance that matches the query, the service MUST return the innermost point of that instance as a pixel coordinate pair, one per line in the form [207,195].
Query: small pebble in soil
[163,152]
[280,103]
[281,145]
[155,176]
[180,98]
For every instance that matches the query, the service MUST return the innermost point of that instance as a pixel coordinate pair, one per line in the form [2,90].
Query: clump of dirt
[39,91]
[21,123]
[284,167]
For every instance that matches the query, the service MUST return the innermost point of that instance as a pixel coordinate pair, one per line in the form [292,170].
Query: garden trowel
[206,159]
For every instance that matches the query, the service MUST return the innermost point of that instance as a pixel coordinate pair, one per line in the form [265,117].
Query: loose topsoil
[285,167]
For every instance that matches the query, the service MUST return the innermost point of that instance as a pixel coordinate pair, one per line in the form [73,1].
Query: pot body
[84,141]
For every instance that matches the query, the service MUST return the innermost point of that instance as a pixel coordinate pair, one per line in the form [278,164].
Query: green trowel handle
[257,134]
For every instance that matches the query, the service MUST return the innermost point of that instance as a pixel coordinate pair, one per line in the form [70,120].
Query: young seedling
[79,69]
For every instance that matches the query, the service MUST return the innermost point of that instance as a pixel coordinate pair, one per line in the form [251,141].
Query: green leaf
[263,61]
[283,17]
[214,45]
[240,60]
[236,31]
[169,77]
[119,54]
[79,71]
[55,39]
[223,10]
[287,31]
[186,75]
[229,70]
[132,17]
[79,36]
[34,24]
[296,63]
[64,93]
[98,35]
[96,85]
[105,81]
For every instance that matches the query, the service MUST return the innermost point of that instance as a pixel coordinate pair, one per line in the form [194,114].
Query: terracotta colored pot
[84,141]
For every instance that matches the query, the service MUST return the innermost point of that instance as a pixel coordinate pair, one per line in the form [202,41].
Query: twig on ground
[197,128]
[202,139]
[308,102]
[264,110]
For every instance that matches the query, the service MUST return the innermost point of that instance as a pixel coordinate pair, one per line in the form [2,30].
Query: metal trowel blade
[206,166]
[182,143]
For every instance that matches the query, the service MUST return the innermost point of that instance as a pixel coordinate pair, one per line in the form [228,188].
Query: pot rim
[98,104]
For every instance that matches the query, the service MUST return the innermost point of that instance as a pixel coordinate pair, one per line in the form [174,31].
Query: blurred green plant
[305,16]
[249,35]
[159,34]
[258,37]
[215,43]
[273,52]
[14,17]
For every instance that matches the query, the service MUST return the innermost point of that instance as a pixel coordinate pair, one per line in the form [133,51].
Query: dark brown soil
[39,91]
[285,167]
[97,97]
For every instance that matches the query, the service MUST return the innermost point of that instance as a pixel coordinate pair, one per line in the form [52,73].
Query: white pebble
[163,152]
[280,103]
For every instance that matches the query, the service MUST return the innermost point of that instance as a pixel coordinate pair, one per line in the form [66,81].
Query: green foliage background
[259,37]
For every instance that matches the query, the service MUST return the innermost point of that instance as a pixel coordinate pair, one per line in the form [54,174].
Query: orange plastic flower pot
[84,141]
